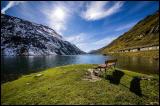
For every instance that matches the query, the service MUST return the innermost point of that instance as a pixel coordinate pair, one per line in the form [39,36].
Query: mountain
[21,37]
[145,32]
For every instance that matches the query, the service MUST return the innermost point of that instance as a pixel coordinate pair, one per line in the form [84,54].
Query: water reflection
[139,64]
[13,67]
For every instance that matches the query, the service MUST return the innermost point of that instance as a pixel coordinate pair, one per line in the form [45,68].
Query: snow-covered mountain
[21,37]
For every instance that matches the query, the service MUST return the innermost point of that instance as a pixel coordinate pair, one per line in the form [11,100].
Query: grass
[64,85]
[148,54]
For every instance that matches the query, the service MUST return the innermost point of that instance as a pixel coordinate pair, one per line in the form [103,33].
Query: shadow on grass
[115,77]
[135,86]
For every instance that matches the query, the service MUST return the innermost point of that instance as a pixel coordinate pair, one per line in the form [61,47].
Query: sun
[59,13]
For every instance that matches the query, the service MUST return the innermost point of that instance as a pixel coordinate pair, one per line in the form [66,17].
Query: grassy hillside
[148,54]
[65,85]
[145,32]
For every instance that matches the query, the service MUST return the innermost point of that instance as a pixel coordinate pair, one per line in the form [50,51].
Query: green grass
[149,54]
[64,85]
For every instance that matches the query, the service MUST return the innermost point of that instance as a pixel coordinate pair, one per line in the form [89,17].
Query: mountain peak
[21,37]
[145,32]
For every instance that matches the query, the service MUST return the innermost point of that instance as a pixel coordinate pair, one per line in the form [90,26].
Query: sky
[89,25]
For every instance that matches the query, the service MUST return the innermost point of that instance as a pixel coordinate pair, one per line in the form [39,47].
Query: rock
[154,103]
[91,76]
[38,75]
[146,78]
[27,83]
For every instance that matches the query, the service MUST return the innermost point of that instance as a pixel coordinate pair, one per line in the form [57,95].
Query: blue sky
[89,25]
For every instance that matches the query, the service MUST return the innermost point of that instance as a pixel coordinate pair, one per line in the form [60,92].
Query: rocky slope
[21,37]
[145,32]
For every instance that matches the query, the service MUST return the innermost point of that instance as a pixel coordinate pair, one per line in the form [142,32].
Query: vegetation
[149,54]
[65,85]
[145,32]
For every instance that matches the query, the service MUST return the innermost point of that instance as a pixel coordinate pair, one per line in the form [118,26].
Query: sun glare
[59,13]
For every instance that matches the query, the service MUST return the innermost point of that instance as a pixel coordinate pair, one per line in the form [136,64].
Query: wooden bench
[108,64]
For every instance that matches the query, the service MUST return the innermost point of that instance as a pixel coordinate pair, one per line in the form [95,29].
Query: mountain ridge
[145,32]
[22,37]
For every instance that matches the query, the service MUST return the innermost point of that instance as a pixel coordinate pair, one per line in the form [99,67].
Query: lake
[14,67]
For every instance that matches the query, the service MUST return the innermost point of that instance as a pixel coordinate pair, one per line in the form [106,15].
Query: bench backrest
[111,61]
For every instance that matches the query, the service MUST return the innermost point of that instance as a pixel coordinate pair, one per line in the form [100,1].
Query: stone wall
[140,49]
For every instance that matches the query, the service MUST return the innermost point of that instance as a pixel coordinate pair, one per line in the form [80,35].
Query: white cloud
[88,46]
[81,40]
[96,10]
[105,41]
[60,13]
[87,43]
[124,27]
[77,39]
[10,5]
[57,16]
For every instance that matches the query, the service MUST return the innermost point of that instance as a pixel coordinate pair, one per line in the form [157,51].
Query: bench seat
[107,64]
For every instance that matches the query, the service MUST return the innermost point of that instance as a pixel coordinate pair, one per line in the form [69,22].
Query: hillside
[21,37]
[145,32]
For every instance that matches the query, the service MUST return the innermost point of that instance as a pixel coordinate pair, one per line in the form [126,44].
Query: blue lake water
[14,67]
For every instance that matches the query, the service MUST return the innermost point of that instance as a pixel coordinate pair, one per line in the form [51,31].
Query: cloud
[81,40]
[10,5]
[60,13]
[96,45]
[124,27]
[105,41]
[57,16]
[77,39]
[96,10]
[88,43]
[101,43]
